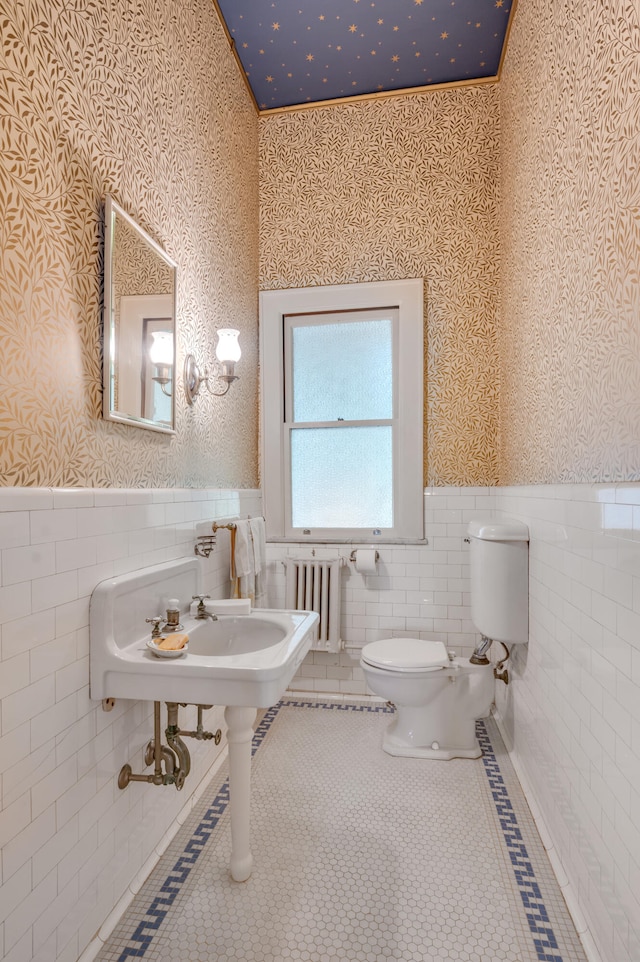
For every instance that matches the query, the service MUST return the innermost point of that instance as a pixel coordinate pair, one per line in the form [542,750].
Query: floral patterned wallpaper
[570,329]
[396,188]
[142,100]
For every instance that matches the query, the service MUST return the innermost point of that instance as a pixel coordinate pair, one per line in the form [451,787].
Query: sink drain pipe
[171,762]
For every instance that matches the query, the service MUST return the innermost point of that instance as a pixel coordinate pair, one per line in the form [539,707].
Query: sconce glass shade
[161,350]
[227,348]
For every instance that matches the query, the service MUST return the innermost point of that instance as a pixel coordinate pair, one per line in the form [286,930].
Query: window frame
[405,296]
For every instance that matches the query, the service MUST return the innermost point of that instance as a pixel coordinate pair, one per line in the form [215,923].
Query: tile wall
[572,711]
[71,841]
[419,590]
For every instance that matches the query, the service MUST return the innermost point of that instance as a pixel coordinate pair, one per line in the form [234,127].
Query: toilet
[438,696]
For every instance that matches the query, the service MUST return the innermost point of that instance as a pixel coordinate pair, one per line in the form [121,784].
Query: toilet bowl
[437,697]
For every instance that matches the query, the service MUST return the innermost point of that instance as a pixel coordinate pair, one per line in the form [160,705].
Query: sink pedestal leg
[239,735]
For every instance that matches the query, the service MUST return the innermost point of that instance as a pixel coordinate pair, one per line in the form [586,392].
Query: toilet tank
[500,579]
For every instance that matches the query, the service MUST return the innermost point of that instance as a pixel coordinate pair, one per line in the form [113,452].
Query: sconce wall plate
[227,352]
[193,379]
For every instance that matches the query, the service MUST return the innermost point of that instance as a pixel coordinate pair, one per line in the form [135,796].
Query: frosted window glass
[342,477]
[343,371]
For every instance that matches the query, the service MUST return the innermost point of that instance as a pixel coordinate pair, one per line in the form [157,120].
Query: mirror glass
[139,326]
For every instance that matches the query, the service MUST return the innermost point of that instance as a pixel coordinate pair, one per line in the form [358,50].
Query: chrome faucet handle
[156,622]
[199,598]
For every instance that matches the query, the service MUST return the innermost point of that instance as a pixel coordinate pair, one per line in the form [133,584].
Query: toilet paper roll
[366,560]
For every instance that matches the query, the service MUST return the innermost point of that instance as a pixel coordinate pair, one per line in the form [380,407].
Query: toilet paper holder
[352,556]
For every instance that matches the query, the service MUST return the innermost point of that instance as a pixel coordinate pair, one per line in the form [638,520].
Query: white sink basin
[244,660]
[232,636]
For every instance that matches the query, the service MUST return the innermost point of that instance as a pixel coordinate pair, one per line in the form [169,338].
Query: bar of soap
[173,641]
[230,606]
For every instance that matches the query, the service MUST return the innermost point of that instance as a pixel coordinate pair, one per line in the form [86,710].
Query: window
[342,412]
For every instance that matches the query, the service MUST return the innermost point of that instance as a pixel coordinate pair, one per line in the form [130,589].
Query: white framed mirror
[139,379]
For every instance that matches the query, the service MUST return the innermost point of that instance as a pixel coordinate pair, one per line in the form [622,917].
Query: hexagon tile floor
[358,856]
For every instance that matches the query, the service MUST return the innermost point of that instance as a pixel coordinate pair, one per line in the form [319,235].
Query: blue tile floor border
[544,940]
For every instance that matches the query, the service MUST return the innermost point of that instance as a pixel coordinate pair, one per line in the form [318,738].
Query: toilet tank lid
[406,654]
[498,529]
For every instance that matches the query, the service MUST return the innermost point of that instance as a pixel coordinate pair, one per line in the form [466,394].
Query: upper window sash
[336,319]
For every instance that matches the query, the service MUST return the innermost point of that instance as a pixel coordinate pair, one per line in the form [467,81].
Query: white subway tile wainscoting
[571,715]
[73,844]
[418,590]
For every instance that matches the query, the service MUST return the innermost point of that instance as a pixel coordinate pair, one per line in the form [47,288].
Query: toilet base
[392,747]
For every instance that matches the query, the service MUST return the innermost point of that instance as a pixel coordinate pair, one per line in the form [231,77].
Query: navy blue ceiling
[305,51]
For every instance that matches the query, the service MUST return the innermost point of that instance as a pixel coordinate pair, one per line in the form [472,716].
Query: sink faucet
[202,614]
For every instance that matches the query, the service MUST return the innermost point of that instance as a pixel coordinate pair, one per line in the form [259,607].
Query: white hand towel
[260,561]
[259,543]
[245,565]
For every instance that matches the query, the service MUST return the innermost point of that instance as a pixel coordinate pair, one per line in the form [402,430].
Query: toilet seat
[406,655]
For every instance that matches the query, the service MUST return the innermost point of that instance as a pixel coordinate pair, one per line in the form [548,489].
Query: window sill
[369,542]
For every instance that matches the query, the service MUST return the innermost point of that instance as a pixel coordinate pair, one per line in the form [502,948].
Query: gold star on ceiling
[395,58]
[443,36]
[269,79]
[276,26]
[309,56]
[353,28]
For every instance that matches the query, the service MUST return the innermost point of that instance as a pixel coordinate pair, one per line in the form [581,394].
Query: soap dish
[165,653]
[230,606]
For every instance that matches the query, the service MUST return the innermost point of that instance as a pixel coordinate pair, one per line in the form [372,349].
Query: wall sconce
[161,356]
[227,352]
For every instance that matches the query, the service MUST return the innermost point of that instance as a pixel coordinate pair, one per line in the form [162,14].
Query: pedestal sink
[244,662]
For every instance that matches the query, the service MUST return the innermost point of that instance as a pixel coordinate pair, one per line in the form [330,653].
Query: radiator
[315,586]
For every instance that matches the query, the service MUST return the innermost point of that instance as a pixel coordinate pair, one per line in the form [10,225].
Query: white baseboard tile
[582,927]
